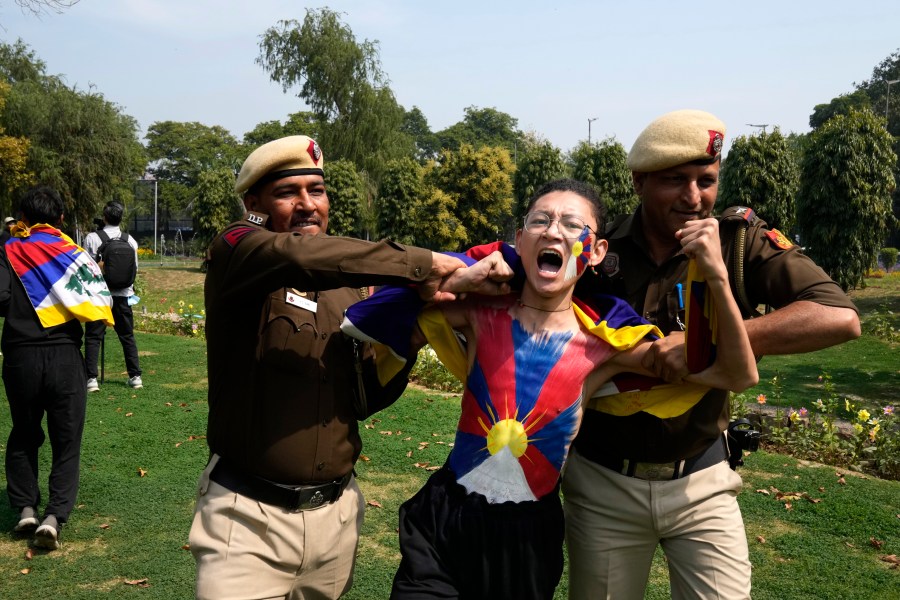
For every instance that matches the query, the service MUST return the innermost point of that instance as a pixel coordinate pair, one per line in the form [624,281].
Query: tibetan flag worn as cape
[62,281]
[388,317]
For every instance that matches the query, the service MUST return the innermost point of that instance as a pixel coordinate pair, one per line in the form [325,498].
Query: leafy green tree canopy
[342,82]
[480,184]
[762,172]
[602,164]
[841,105]
[215,205]
[347,199]
[79,143]
[539,162]
[844,201]
[481,127]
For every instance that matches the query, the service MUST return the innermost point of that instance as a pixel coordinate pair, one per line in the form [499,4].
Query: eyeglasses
[569,226]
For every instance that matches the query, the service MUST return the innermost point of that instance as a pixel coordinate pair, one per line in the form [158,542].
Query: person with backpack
[116,253]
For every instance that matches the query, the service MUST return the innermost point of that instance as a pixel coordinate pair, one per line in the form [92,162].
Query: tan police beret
[676,138]
[285,157]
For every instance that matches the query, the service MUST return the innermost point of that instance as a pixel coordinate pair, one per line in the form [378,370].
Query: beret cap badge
[716,139]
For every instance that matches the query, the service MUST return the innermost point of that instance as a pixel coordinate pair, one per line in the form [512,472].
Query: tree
[438,227]
[841,105]
[539,162]
[299,123]
[401,189]
[761,171]
[844,201]
[481,127]
[416,126]
[347,198]
[181,152]
[14,173]
[39,7]
[602,164]
[80,143]
[479,183]
[215,205]
[342,82]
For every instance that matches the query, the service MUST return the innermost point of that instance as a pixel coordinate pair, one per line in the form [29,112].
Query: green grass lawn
[128,527]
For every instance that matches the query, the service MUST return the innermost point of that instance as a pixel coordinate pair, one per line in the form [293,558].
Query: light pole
[151,177]
[590,120]
[887,98]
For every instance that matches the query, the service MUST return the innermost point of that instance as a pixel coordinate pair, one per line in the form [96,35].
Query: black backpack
[117,259]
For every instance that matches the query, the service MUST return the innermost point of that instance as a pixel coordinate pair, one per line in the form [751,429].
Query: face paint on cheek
[581,254]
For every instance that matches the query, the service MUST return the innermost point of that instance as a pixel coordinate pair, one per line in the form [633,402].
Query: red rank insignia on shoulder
[779,240]
[233,236]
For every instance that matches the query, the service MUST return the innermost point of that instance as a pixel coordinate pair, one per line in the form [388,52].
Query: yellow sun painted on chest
[508,432]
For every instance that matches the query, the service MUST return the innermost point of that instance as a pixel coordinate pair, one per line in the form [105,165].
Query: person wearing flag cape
[49,286]
[489,523]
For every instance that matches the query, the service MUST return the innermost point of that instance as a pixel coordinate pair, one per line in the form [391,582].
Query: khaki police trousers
[247,549]
[614,524]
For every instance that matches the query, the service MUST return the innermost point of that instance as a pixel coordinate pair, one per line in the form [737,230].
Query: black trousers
[457,545]
[39,380]
[124,326]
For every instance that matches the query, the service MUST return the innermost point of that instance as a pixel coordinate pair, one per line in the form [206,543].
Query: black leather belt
[713,455]
[290,497]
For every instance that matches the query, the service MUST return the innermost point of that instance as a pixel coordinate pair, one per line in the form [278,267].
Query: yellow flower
[761,399]
[863,415]
[190,306]
[794,416]
[847,406]
[180,311]
[857,427]
[203,311]
[181,303]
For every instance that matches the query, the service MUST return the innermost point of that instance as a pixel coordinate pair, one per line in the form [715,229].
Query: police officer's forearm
[802,326]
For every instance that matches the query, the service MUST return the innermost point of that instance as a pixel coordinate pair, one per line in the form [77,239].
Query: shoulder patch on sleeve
[779,240]
[233,236]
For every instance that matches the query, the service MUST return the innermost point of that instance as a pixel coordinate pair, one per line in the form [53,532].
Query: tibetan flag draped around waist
[62,281]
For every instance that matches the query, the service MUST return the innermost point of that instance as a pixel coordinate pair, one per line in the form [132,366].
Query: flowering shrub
[431,373]
[175,319]
[838,433]
[145,253]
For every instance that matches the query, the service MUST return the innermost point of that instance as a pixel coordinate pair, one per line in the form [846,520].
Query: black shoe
[27,520]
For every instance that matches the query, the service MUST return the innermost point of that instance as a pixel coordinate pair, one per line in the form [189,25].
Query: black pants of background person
[124,326]
[457,545]
[44,380]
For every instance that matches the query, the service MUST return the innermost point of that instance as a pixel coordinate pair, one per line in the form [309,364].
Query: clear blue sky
[551,65]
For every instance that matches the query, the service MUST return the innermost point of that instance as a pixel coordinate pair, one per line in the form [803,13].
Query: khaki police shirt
[773,276]
[282,378]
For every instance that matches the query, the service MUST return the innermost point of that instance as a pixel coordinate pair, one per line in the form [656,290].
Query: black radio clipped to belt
[741,436]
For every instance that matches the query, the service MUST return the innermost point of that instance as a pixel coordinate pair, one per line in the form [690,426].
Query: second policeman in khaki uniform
[278,511]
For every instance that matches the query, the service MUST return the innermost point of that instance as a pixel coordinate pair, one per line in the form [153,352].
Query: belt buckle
[316,500]
[654,471]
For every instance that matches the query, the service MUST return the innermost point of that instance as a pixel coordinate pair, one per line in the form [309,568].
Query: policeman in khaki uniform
[634,482]
[278,510]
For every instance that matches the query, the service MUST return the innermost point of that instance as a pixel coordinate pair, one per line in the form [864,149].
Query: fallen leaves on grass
[29,554]
[104,526]
[186,547]
[877,544]
[760,539]
[364,458]
[763,492]
[374,503]
[891,559]
[141,472]
[191,438]
[25,571]
[144,583]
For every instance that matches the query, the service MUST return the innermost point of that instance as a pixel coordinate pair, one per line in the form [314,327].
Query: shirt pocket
[288,336]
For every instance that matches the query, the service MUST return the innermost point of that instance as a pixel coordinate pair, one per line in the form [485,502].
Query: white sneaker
[27,520]
[92,385]
[47,535]
[135,382]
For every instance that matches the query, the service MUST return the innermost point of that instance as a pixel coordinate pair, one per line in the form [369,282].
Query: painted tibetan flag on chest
[62,281]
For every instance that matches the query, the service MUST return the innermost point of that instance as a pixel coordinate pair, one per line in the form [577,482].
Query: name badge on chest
[299,299]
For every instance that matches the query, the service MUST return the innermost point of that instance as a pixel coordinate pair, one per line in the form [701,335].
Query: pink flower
[803,412]
[888,410]
[761,399]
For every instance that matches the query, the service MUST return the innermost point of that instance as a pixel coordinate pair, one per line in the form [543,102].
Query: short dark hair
[42,204]
[112,212]
[576,186]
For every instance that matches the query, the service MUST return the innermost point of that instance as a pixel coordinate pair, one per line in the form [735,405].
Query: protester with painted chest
[489,523]
[278,511]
